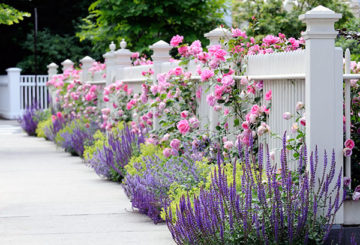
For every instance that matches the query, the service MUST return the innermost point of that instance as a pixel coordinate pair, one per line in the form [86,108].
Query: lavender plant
[148,188]
[31,117]
[75,136]
[268,207]
[110,160]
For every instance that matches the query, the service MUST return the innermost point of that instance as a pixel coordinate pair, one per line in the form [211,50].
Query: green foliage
[53,48]
[270,17]
[353,45]
[10,15]
[146,150]
[40,130]
[99,141]
[143,22]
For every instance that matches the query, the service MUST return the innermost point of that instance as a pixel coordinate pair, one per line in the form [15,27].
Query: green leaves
[144,22]
[10,15]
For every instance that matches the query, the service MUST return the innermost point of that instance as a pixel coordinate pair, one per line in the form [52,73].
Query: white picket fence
[33,90]
[314,76]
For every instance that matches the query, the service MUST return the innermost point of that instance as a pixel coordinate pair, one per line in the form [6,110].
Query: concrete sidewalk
[48,197]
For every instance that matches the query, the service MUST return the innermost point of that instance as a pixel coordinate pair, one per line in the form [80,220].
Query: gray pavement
[48,197]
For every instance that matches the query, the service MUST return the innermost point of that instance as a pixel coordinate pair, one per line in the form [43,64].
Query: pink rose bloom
[287,115]
[184,114]
[356,195]
[220,54]
[167,152]
[105,111]
[282,36]
[245,125]
[299,105]
[268,95]
[217,108]
[135,55]
[165,137]
[349,143]
[53,118]
[238,33]
[206,74]
[303,121]
[59,115]
[270,39]
[211,100]
[176,40]
[178,71]
[226,111]
[175,144]
[183,126]
[106,99]
[227,81]
[244,81]
[228,145]
[194,122]
[255,109]
[347,152]
[183,51]
[272,155]
[219,90]
[294,128]
[162,106]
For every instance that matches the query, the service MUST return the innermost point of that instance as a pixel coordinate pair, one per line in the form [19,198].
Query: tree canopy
[10,15]
[143,22]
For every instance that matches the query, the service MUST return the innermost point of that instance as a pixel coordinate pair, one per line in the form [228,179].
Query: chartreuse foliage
[10,15]
[144,22]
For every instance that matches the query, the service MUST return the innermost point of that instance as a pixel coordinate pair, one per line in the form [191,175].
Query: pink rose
[206,74]
[183,126]
[176,40]
[287,115]
[211,100]
[347,152]
[106,99]
[299,105]
[194,122]
[105,111]
[184,114]
[228,145]
[245,125]
[349,143]
[268,95]
[175,144]
[303,121]
[167,152]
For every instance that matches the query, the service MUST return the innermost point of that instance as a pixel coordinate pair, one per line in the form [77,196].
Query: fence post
[214,37]
[86,64]
[161,54]
[110,60]
[67,64]
[324,88]
[52,70]
[122,59]
[14,92]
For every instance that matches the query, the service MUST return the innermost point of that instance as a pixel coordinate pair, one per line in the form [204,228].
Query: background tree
[10,15]
[143,22]
[57,23]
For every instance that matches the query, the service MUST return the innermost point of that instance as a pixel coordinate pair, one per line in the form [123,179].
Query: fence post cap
[87,59]
[13,69]
[218,32]
[52,65]
[67,62]
[160,45]
[320,12]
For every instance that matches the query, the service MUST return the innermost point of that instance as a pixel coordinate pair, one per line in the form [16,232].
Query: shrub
[287,208]
[149,184]
[51,129]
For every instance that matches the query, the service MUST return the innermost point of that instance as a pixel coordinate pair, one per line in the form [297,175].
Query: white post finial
[112,46]
[67,64]
[347,61]
[324,72]
[215,35]
[161,51]
[123,44]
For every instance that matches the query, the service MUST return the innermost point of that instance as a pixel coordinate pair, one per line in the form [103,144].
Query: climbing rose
[347,152]
[167,152]
[349,144]
[175,144]
[238,33]
[287,115]
[176,40]
[184,114]
[268,95]
[228,145]
[194,122]
[206,74]
[299,105]
[183,126]
[211,100]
